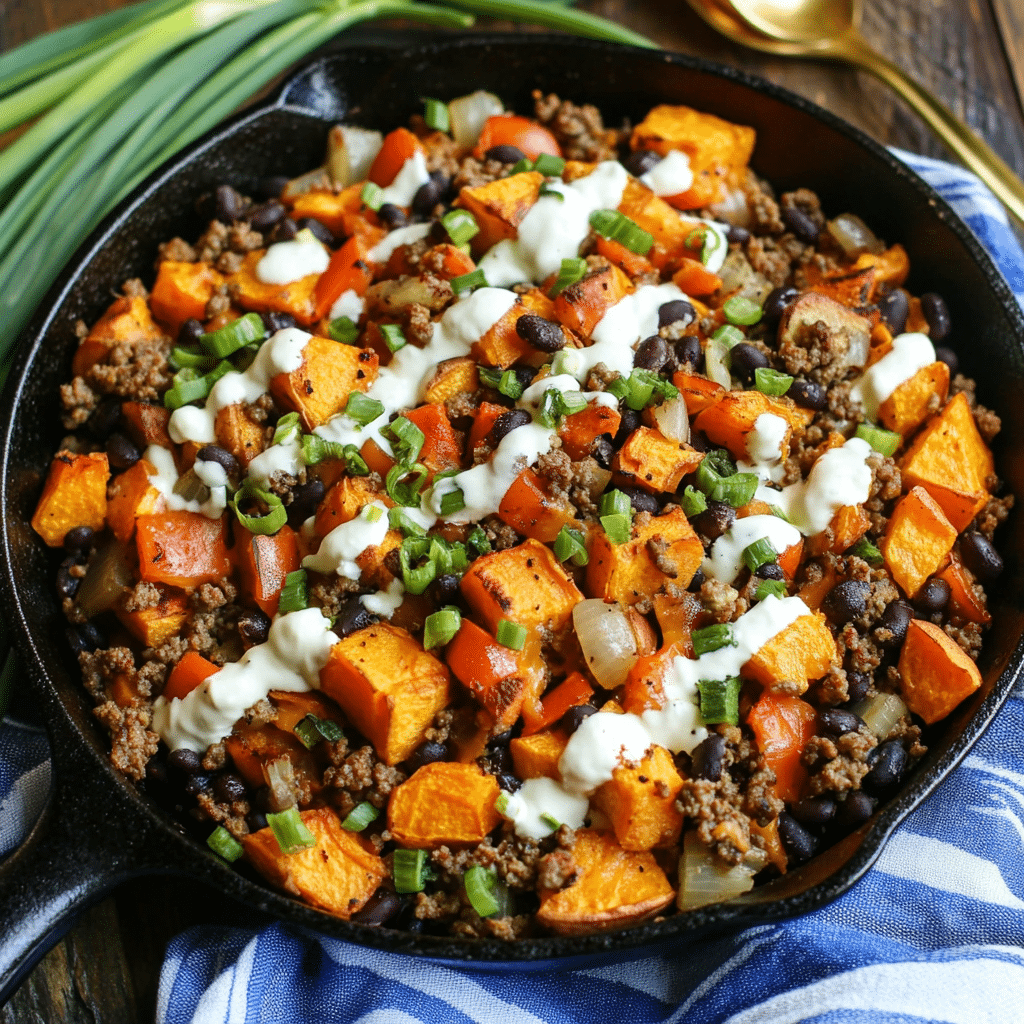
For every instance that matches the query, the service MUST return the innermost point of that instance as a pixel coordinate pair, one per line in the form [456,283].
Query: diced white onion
[281,780]
[606,639]
[314,180]
[704,879]
[350,152]
[673,420]
[881,713]
[468,114]
[715,356]
[854,235]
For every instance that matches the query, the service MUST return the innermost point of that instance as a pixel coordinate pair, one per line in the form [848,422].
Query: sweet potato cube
[146,424]
[655,216]
[730,420]
[181,292]
[848,525]
[126,321]
[452,377]
[155,625]
[253,747]
[524,584]
[389,686]
[181,549]
[908,406]
[75,494]
[536,756]
[132,495]
[640,801]
[264,562]
[580,430]
[698,392]
[445,803]
[344,501]
[500,206]
[581,306]
[655,462]
[782,725]
[965,597]
[249,292]
[329,373]
[293,706]
[801,653]
[371,560]
[951,462]
[615,888]
[494,674]
[442,445]
[532,511]
[936,674]
[628,573]
[338,875]
[917,541]
[239,433]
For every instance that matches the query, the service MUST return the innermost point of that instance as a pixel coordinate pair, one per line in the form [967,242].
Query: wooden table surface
[970,53]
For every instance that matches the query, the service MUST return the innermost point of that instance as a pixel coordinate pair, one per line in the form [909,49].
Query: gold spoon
[828,30]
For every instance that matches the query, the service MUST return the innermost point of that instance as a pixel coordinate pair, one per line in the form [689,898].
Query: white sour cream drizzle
[348,304]
[544,796]
[764,442]
[671,175]
[382,251]
[166,476]
[909,353]
[297,648]
[345,543]
[285,262]
[407,182]
[725,559]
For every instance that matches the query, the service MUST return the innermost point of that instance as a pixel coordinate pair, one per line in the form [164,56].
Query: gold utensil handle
[974,153]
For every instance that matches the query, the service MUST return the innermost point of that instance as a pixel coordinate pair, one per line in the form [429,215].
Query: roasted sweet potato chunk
[239,433]
[75,494]
[917,541]
[500,206]
[654,462]
[181,549]
[131,495]
[251,293]
[730,421]
[640,801]
[531,510]
[155,625]
[909,405]
[127,321]
[936,674]
[801,653]
[536,756]
[181,292]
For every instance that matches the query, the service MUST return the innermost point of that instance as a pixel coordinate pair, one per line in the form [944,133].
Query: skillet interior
[118,832]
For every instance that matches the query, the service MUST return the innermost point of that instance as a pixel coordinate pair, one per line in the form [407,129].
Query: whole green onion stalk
[119,94]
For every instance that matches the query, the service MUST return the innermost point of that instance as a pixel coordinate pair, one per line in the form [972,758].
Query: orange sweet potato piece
[146,424]
[338,875]
[442,447]
[965,598]
[678,617]
[907,407]
[627,573]
[625,259]
[891,266]
[251,293]
[181,292]
[239,433]
[848,525]
[159,623]
[490,671]
[644,689]
[782,725]
[127,320]
[525,584]
[452,377]
[698,392]
[650,460]
[581,306]
[951,462]
[532,511]
[500,206]
[253,747]
[694,278]
[614,889]
[398,146]
[131,495]
[348,270]
[484,418]
[293,706]
[801,653]
[264,562]
[536,756]
[344,501]
[656,217]
[388,685]
[187,674]
[936,674]
[444,804]
[640,801]
[181,549]
[329,373]
[917,541]
[75,494]
[573,691]
[580,430]
[343,212]
[848,287]
[729,420]
[501,344]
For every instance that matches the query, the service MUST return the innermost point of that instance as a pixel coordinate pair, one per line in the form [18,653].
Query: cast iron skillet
[97,830]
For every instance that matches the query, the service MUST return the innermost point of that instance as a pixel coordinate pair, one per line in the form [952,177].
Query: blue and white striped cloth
[933,933]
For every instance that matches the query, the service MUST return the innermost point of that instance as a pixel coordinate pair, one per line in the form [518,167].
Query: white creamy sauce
[285,262]
[601,743]
[166,476]
[297,648]
[382,251]
[719,248]
[532,397]
[764,442]
[345,543]
[544,796]
[349,304]
[909,353]
[670,175]
[278,458]
[385,602]
[725,559]
[407,182]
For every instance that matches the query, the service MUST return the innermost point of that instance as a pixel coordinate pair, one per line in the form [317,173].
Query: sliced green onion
[409,869]
[712,638]
[571,544]
[461,226]
[294,593]
[188,387]
[311,730]
[616,503]
[713,467]
[406,439]
[779,513]
[548,165]
[573,268]
[372,196]
[359,817]
[547,411]
[372,513]
[570,402]
[694,502]
[720,701]
[287,427]
[741,310]
[404,483]
[393,336]
[511,635]
[736,490]
[435,115]
[771,382]
[501,804]
[619,228]
[316,449]
[362,408]
[235,335]
[399,519]
[868,551]
[481,884]
[520,166]
[478,541]
[883,441]
[772,588]
[729,335]
[467,282]
[290,831]
[267,525]
[224,844]
[412,550]
[342,329]
[452,502]
[619,387]
[759,553]
[547,190]
[441,627]
[509,385]
[618,528]
[354,462]
[191,356]
[551,821]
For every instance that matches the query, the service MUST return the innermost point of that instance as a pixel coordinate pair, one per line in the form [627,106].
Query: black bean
[524,374]
[505,424]
[675,311]
[380,908]
[603,451]
[271,187]
[855,809]
[78,538]
[980,557]
[808,394]
[836,721]
[573,718]
[275,321]
[321,231]
[697,582]
[429,194]
[896,618]
[156,769]
[777,301]
[230,204]
[540,333]
[92,637]
[223,458]
[641,500]
[651,354]
[121,453]
[857,685]
[949,357]
[737,235]
[266,215]
[228,788]
[305,499]
[799,843]
[846,601]
[814,810]
[744,359]
[67,585]
[254,627]
[770,571]
[256,820]
[186,761]
[196,784]
[352,616]
[500,742]
[392,216]
[627,424]
[641,161]
[284,230]
[888,763]
[932,597]
[800,224]
[936,312]
[715,519]
[508,782]
[104,419]
[688,350]
[445,589]
[708,758]
[427,753]
[76,641]
[190,332]
[505,154]
[894,310]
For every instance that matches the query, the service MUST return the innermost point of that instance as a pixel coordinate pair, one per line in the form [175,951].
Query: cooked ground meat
[580,131]
[178,250]
[764,210]
[358,777]
[556,467]
[132,743]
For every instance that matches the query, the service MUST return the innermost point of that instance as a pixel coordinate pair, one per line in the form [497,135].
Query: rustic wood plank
[1010,19]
